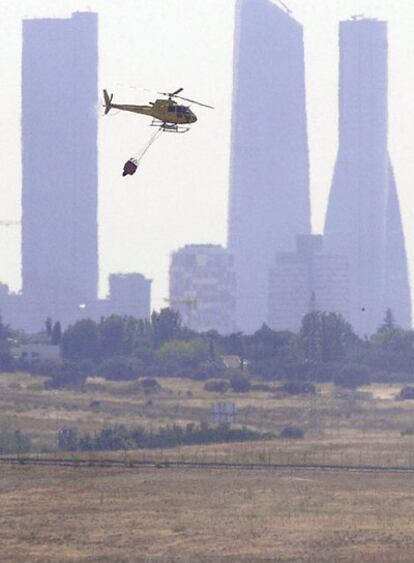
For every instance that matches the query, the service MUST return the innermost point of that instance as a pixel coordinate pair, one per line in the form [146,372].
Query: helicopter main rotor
[175,95]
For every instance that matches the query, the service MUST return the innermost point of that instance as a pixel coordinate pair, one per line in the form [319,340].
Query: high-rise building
[307,280]
[129,294]
[363,221]
[59,143]
[203,287]
[269,172]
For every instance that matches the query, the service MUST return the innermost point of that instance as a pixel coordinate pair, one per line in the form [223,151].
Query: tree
[56,334]
[113,337]
[178,357]
[7,362]
[388,325]
[121,368]
[68,374]
[48,326]
[326,337]
[352,376]
[391,347]
[268,343]
[311,336]
[81,341]
[166,326]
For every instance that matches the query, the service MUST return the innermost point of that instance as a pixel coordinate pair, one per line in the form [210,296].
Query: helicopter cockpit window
[171,109]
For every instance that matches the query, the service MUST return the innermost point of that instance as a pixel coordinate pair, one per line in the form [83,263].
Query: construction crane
[9,223]
[191,303]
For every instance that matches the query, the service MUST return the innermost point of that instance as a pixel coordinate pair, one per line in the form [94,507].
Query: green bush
[216,385]
[406,393]
[352,376]
[120,438]
[298,388]
[240,383]
[121,369]
[292,432]
[14,442]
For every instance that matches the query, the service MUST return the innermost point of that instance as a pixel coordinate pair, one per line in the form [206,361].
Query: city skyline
[127,217]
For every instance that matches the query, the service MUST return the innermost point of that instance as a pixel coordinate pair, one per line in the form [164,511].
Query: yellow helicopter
[167,114]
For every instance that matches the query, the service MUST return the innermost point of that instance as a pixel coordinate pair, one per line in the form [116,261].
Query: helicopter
[167,115]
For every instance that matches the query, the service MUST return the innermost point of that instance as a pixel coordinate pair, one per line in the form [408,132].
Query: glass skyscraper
[363,221]
[269,173]
[59,144]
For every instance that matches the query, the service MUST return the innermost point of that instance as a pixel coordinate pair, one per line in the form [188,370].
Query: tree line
[124,348]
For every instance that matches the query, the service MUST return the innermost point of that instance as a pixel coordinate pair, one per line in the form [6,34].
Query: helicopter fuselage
[166,111]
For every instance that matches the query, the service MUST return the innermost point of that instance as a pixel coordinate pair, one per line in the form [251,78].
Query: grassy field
[66,514]
[365,429]
[107,515]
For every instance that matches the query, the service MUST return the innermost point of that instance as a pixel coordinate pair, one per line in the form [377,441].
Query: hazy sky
[179,194]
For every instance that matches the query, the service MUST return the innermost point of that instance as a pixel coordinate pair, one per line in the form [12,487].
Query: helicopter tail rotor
[107,100]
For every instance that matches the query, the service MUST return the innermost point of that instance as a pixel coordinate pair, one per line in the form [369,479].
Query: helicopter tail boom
[108,100]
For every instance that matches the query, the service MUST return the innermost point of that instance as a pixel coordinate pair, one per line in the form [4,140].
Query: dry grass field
[67,514]
[365,429]
[115,515]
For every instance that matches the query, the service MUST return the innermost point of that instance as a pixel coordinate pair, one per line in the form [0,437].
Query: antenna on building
[286,8]
[358,17]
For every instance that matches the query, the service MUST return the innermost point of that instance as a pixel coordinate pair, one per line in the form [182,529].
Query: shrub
[264,387]
[352,376]
[14,442]
[324,372]
[49,368]
[268,368]
[292,432]
[7,362]
[121,369]
[67,375]
[240,383]
[87,368]
[150,385]
[120,438]
[406,393]
[298,388]
[217,385]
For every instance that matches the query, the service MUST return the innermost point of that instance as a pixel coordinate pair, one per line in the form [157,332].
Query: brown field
[115,515]
[353,430]
[67,514]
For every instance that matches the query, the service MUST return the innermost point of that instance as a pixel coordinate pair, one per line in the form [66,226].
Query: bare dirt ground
[50,514]
[66,514]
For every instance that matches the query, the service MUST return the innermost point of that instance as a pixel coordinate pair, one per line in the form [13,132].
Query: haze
[180,193]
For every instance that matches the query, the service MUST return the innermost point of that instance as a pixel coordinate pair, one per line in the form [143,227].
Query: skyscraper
[269,172]
[363,220]
[59,142]
[307,280]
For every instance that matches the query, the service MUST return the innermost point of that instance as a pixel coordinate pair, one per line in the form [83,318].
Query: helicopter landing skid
[169,128]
